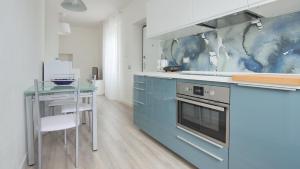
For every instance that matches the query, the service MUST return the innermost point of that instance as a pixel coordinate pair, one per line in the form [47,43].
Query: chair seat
[69,108]
[61,102]
[59,122]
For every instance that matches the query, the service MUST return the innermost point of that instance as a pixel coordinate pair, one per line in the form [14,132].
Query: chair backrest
[94,80]
[36,109]
[71,95]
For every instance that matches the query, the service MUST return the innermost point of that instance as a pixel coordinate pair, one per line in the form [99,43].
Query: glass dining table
[48,92]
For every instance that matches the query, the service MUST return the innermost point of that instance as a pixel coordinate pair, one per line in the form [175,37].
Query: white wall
[51,30]
[132,18]
[85,43]
[21,49]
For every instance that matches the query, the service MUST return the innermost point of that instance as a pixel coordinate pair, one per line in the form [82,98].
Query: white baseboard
[23,164]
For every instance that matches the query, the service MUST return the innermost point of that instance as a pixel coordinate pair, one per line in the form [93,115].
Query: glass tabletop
[49,87]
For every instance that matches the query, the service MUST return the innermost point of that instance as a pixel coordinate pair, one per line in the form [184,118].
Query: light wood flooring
[121,145]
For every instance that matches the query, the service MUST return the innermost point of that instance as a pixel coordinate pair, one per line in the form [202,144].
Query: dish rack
[63,79]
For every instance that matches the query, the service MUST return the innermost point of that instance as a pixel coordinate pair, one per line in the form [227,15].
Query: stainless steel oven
[203,110]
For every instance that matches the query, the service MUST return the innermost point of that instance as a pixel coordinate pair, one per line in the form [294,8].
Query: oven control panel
[215,93]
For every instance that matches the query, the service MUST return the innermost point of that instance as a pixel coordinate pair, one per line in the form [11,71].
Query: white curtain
[111,57]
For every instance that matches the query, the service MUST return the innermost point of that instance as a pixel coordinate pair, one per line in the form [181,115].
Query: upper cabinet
[204,10]
[253,3]
[166,19]
[167,15]
[273,8]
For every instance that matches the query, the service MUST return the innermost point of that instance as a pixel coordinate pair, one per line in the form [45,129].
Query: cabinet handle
[139,89]
[139,102]
[200,149]
[202,138]
[138,82]
[268,87]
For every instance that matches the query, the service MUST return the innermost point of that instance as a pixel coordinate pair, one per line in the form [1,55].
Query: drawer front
[139,97]
[139,85]
[139,79]
[200,152]
[139,115]
[139,82]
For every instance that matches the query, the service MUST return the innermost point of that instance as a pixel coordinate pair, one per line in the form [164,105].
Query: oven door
[205,118]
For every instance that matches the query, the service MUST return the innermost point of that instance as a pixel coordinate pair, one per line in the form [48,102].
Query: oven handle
[201,104]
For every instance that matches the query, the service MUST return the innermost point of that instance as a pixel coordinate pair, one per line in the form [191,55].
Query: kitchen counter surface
[221,77]
[210,78]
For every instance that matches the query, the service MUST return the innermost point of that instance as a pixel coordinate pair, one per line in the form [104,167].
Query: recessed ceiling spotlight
[74,5]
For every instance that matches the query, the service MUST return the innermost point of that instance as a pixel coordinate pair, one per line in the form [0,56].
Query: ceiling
[97,11]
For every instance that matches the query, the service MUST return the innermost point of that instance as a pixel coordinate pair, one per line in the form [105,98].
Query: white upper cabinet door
[204,10]
[275,8]
[253,3]
[164,16]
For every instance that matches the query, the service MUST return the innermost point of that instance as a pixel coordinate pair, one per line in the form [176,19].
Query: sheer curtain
[111,57]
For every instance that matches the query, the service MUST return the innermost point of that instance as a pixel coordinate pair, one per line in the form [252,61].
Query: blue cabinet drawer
[139,90]
[201,152]
[139,115]
[139,79]
[139,83]
[140,86]
[139,97]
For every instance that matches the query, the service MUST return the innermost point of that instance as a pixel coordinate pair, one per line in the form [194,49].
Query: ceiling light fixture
[64,28]
[74,5]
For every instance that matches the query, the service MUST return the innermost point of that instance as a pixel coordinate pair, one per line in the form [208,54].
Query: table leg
[83,114]
[94,123]
[29,130]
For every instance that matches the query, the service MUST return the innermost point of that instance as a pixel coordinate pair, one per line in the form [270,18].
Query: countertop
[221,77]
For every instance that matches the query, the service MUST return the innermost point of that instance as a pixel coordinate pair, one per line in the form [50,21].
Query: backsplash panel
[241,48]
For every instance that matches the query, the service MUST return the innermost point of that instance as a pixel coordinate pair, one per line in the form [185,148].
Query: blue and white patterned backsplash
[241,48]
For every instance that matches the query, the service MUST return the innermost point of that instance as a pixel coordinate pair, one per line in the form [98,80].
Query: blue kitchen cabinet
[161,108]
[139,102]
[197,150]
[264,129]
[158,118]
[163,97]
[154,104]
[200,153]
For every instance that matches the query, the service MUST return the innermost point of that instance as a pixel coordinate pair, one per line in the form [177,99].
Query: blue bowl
[63,81]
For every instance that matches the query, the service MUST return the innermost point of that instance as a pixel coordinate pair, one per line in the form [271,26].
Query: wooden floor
[121,145]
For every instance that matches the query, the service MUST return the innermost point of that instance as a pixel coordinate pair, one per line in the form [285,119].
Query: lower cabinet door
[200,153]
[137,115]
[163,102]
[265,129]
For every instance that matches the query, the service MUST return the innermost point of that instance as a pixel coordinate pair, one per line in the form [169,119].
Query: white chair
[56,122]
[68,106]
[82,108]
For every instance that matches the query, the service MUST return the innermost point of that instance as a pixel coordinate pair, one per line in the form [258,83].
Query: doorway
[151,53]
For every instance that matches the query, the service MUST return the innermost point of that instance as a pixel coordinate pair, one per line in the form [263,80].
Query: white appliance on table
[57,69]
